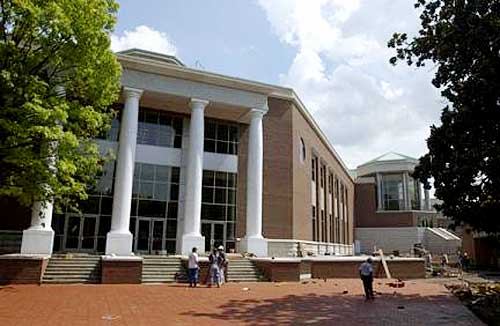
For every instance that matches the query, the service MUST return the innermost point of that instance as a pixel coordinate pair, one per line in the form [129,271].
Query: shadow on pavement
[387,309]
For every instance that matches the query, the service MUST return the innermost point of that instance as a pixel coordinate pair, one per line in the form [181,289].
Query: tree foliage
[461,39]
[58,79]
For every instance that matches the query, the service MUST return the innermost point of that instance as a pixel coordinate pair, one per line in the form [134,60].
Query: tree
[58,79]
[461,38]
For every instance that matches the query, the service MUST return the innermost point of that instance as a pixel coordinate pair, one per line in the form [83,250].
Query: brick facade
[22,270]
[116,271]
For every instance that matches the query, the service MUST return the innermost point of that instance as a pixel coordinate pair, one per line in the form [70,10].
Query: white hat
[220,247]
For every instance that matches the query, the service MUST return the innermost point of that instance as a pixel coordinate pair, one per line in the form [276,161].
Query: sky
[333,53]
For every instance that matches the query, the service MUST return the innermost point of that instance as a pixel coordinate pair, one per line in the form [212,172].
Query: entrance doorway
[80,233]
[214,233]
[149,235]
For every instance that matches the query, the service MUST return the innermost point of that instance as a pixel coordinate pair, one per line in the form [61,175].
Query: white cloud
[143,37]
[341,71]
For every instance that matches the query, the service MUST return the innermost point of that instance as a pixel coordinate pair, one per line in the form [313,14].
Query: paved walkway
[314,303]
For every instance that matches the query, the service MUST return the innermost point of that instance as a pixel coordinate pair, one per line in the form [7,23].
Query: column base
[190,241]
[39,241]
[254,245]
[119,243]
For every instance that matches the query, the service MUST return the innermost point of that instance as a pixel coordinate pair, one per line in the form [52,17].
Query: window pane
[133,207]
[148,172]
[177,125]
[151,117]
[220,179]
[210,128]
[222,147]
[208,178]
[207,195]
[106,205]
[174,177]
[231,213]
[172,210]
[231,196]
[222,132]
[233,134]
[220,195]
[162,173]
[90,206]
[209,146]
[161,191]
[146,189]
[171,229]
[165,119]
[231,180]
[174,192]
[104,225]
[230,231]
[178,141]
[152,208]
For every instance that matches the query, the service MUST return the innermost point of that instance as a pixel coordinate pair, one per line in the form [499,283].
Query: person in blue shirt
[366,274]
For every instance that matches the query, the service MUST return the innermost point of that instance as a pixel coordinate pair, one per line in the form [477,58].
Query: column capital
[196,103]
[257,112]
[132,92]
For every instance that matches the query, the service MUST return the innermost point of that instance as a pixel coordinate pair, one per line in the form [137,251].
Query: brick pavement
[314,303]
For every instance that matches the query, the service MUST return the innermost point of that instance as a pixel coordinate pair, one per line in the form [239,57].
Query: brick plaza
[316,302]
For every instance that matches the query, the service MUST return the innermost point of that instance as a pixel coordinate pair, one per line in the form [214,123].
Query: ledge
[121,258]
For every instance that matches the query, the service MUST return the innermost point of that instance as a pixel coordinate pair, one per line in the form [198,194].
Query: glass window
[414,193]
[392,192]
[221,137]
[219,196]
[159,128]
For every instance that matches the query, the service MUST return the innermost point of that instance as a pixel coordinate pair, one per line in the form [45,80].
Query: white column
[119,239]
[39,237]
[406,193]
[253,242]
[194,174]
[427,200]
[380,206]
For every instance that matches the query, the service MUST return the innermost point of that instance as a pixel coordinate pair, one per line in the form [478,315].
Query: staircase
[73,268]
[162,269]
[243,270]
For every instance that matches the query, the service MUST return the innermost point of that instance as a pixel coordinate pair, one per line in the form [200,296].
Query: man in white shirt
[366,274]
[193,268]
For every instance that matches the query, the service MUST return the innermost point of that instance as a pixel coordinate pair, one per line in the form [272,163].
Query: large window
[393,192]
[219,200]
[221,137]
[414,193]
[155,194]
[99,205]
[159,128]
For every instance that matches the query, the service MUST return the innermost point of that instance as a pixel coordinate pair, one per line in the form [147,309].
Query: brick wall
[121,271]
[22,270]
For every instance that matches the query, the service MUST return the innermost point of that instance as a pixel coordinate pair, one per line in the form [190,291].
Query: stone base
[121,270]
[190,241]
[256,246]
[37,241]
[119,244]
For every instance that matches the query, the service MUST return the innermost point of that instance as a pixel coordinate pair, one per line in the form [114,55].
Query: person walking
[193,268]
[214,269]
[223,264]
[366,274]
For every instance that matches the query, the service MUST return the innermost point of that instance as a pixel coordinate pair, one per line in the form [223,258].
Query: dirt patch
[482,299]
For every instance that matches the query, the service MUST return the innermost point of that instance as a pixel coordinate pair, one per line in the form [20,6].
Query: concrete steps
[73,268]
[162,269]
[243,270]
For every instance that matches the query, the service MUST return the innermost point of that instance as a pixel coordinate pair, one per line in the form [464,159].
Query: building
[393,211]
[202,160]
